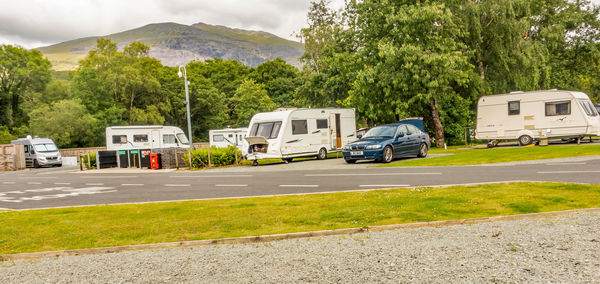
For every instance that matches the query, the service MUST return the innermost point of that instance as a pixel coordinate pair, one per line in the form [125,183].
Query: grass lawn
[498,155]
[112,225]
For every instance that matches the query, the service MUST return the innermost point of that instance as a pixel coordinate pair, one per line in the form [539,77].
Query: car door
[413,139]
[399,144]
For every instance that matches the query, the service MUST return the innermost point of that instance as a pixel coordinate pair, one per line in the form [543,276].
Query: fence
[12,157]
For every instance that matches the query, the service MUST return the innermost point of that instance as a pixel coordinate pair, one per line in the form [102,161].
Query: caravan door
[336,130]
[155,139]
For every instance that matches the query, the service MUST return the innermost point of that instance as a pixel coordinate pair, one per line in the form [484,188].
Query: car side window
[413,130]
[402,129]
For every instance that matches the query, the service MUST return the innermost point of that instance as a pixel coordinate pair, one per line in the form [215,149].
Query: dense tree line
[387,58]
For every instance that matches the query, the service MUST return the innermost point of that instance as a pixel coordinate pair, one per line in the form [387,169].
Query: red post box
[154,161]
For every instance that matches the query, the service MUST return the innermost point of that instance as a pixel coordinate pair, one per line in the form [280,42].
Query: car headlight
[42,158]
[371,147]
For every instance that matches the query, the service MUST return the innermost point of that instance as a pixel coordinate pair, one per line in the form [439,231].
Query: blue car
[385,142]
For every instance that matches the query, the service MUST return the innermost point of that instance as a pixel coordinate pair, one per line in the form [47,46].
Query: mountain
[175,44]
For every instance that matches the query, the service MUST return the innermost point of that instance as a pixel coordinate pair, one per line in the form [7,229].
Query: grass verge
[113,225]
[462,157]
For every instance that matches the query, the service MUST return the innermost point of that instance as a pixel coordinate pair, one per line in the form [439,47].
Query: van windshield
[45,147]
[182,138]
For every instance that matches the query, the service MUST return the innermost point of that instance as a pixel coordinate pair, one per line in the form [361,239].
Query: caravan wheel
[525,140]
[322,154]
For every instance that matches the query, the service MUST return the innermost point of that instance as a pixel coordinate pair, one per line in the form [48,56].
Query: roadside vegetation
[461,156]
[113,225]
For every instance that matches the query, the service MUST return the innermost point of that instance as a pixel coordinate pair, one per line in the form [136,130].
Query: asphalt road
[48,188]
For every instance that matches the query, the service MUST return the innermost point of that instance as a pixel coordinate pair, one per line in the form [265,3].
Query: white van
[290,133]
[223,138]
[530,116]
[39,152]
[145,137]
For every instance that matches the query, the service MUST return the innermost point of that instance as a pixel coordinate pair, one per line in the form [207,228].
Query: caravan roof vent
[516,92]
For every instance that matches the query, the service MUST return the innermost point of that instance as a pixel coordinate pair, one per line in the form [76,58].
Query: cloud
[33,23]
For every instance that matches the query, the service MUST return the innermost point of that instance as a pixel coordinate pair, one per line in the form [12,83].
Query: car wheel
[350,161]
[423,151]
[36,164]
[322,154]
[525,140]
[388,154]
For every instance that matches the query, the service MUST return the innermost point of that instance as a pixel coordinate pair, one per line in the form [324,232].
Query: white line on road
[109,177]
[384,185]
[9,182]
[30,177]
[62,183]
[298,185]
[568,172]
[212,176]
[231,185]
[564,164]
[34,182]
[171,184]
[378,174]
[94,184]
[132,184]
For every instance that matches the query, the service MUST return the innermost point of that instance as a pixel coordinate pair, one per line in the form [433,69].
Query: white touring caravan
[40,152]
[290,133]
[530,116]
[223,138]
[145,137]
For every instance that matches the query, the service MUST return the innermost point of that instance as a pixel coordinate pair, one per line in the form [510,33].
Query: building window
[119,139]
[169,139]
[514,108]
[558,108]
[321,123]
[299,127]
[218,138]
[140,138]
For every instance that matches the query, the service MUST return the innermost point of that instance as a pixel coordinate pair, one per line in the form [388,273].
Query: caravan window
[321,123]
[140,138]
[588,107]
[218,138]
[269,130]
[299,127]
[558,108]
[169,139]
[182,138]
[514,108]
[119,139]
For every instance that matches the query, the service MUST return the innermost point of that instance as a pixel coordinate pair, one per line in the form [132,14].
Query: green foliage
[87,165]
[67,122]
[5,135]
[250,98]
[218,156]
[280,80]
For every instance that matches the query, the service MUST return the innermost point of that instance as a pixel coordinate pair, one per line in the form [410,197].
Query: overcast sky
[35,23]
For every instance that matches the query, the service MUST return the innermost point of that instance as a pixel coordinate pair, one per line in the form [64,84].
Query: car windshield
[182,138]
[45,147]
[381,131]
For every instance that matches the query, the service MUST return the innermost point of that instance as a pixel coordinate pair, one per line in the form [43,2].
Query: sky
[36,23]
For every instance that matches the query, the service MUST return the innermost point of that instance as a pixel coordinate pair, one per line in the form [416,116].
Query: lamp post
[187,105]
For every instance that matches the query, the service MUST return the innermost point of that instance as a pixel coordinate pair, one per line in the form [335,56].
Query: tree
[21,71]
[250,98]
[279,78]
[67,122]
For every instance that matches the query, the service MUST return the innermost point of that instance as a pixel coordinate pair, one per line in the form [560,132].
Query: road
[48,188]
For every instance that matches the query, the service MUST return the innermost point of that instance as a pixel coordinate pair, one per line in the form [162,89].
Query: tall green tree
[280,80]
[21,71]
[250,98]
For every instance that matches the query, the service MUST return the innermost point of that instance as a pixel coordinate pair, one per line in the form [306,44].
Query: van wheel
[525,140]
[322,154]
[35,164]
[388,154]
[422,151]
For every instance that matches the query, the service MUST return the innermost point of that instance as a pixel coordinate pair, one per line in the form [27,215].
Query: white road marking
[62,183]
[568,172]
[38,177]
[171,184]
[298,185]
[212,176]
[94,184]
[9,182]
[132,184]
[67,192]
[231,185]
[34,182]
[384,185]
[564,164]
[377,174]
[109,177]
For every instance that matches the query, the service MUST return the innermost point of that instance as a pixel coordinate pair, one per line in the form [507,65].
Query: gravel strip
[557,249]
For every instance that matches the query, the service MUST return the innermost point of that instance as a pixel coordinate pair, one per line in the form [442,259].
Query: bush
[85,161]
[218,156]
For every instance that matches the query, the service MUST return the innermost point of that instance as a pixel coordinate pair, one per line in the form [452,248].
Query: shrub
[218,156]
[84,160]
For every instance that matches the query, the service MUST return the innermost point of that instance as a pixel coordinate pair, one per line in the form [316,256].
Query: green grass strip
[461,157]
[113,225]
